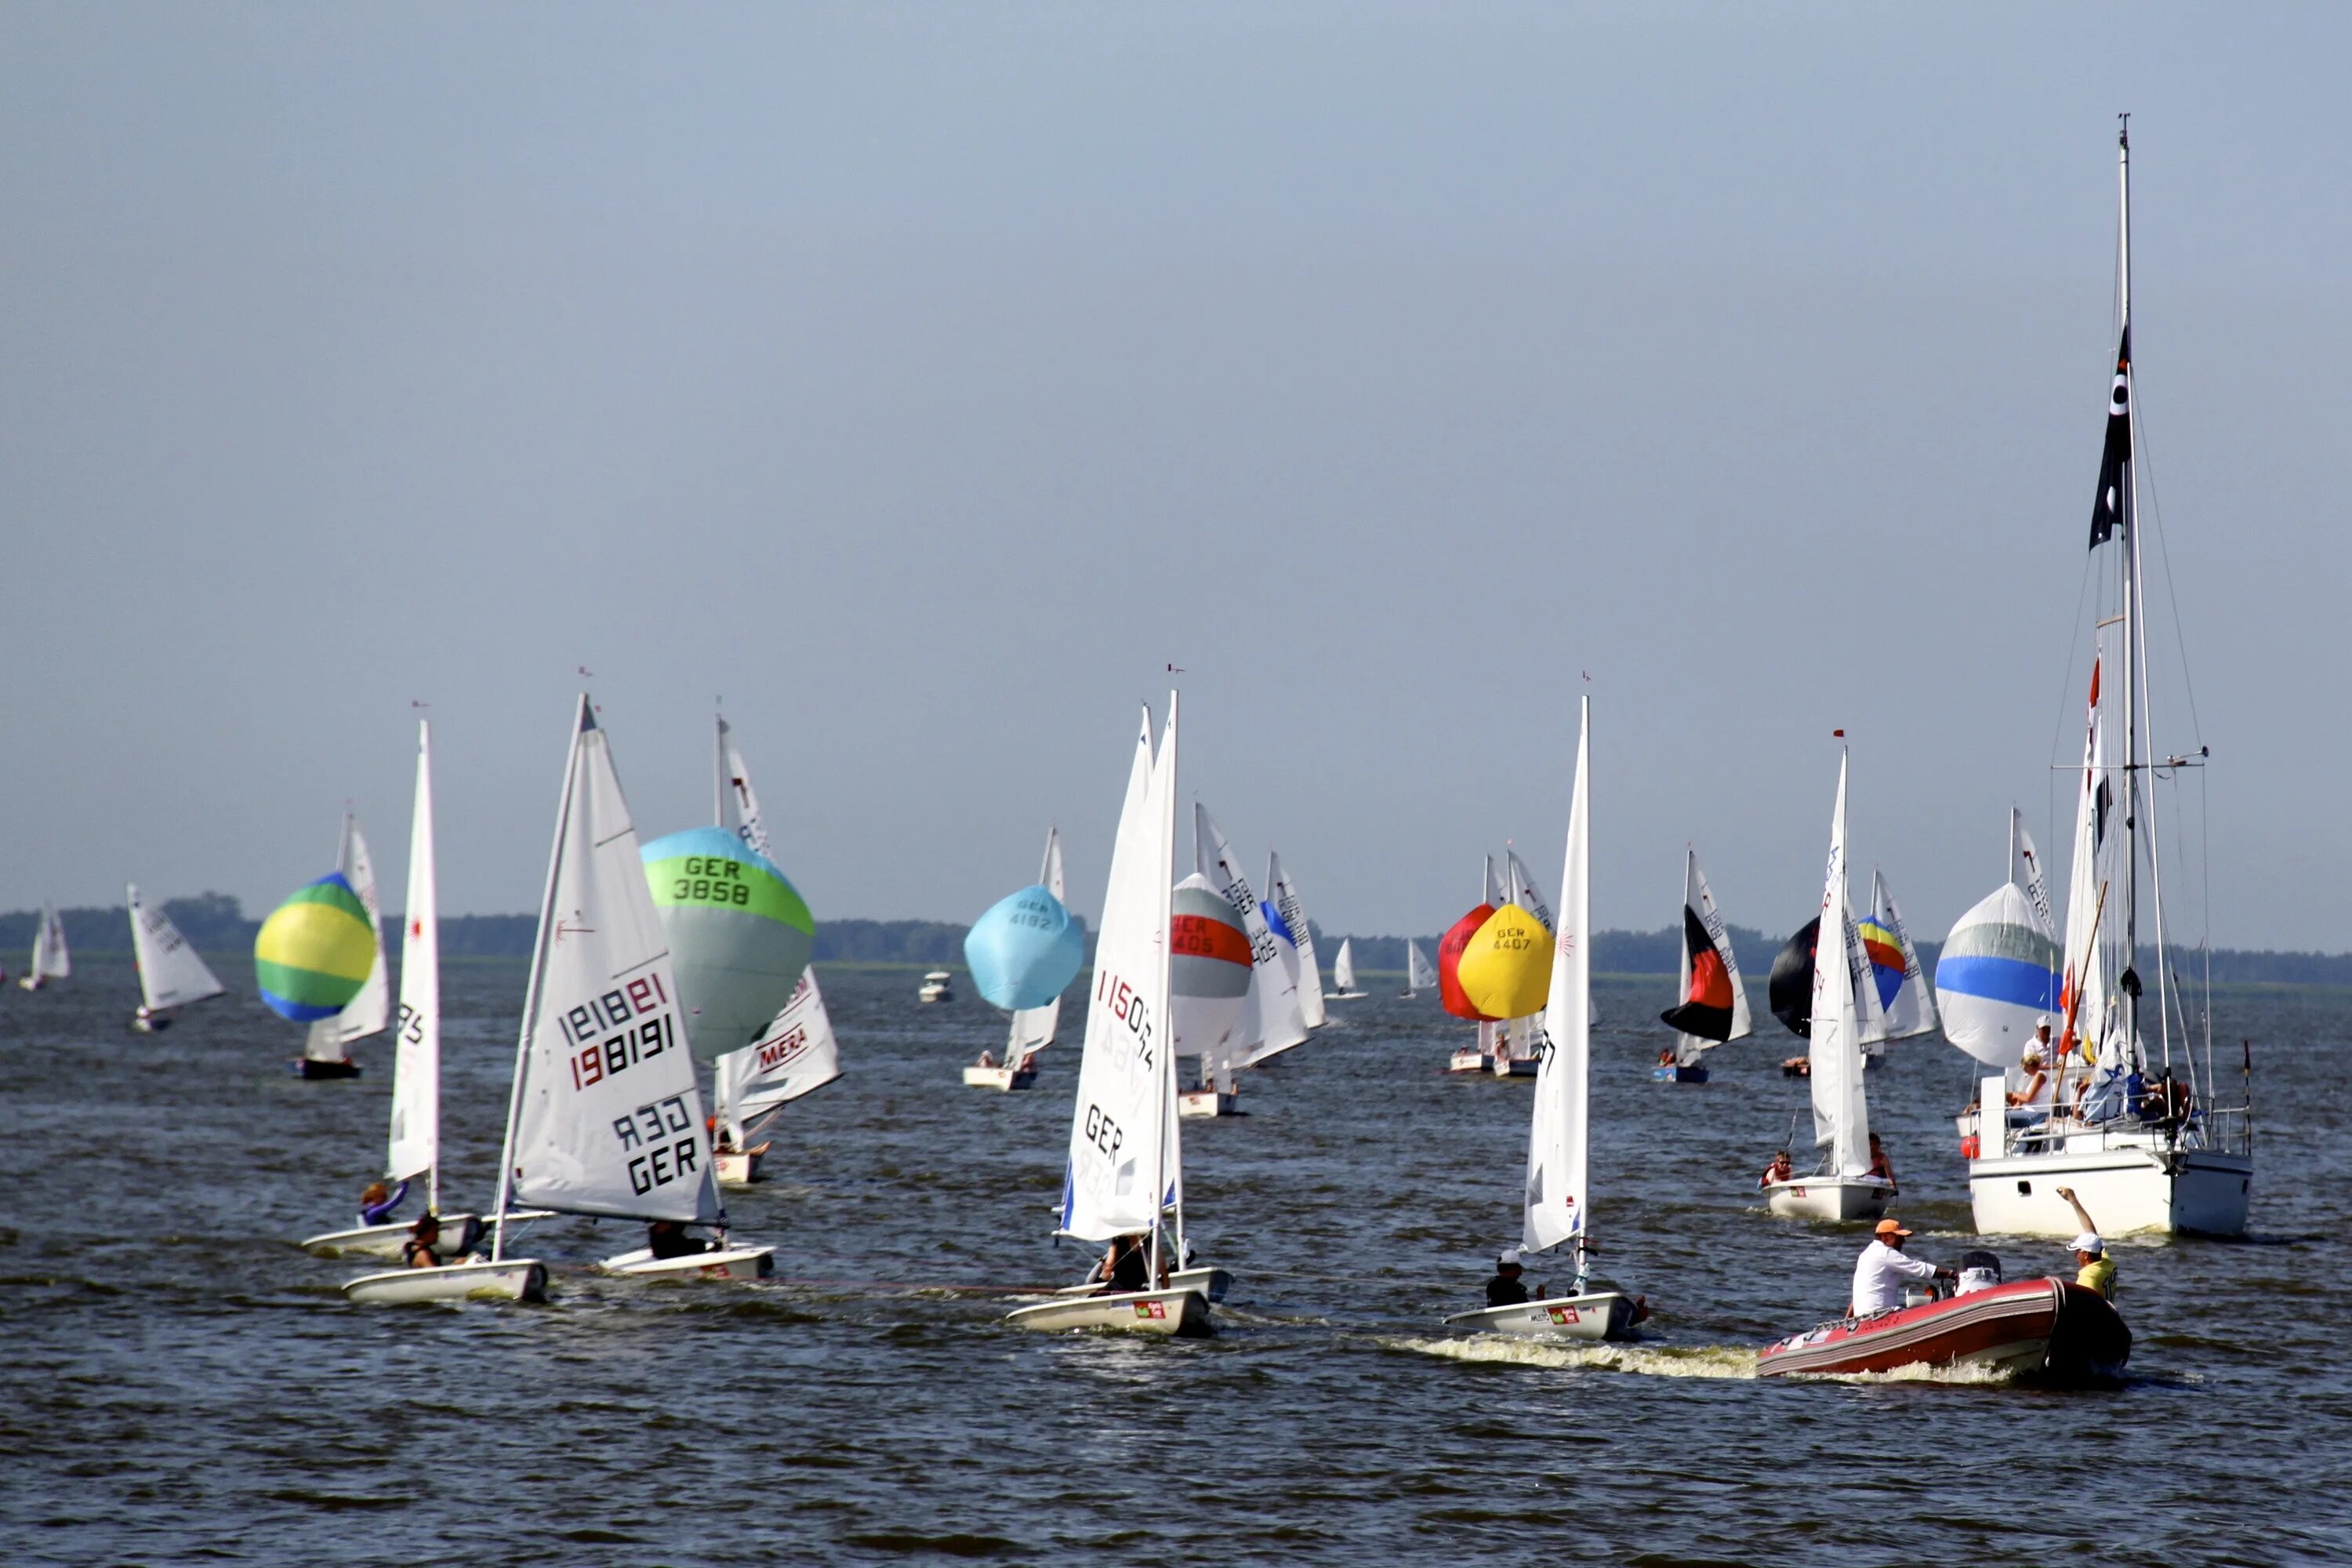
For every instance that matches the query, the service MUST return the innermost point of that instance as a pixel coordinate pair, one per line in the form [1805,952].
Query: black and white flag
[2114,461]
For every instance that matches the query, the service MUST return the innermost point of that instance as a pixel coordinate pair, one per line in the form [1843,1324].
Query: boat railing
[2227,1130]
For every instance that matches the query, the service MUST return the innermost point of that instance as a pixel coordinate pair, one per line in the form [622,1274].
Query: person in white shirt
[1880,1271]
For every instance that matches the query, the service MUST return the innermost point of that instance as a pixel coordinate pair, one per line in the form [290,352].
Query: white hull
[1175,1310]
[458,1234]
[1838,1200]
[1006,1079]
[512,1279]
[1347,995]
[1516,1066]
[734,1263]
[1470,1061]
[1207,1102]
[2127,1189]
[1593,1316]
[739,1167]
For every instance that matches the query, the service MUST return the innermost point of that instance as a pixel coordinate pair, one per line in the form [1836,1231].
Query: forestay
[1291,911]
[1123,1116]
[1557,1208]
[415,1140]
[1032,1028]
[170,972]
[330,1037]
[1273,1023]
[1840,1111]
[608,1118]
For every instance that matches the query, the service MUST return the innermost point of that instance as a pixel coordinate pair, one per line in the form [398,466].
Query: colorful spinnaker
[1714,1007]
[1905,1006]
[740,934]
[315,951]
[1998,974]
[1207,971]
[1025,951]
[1449,964]
[1505,968]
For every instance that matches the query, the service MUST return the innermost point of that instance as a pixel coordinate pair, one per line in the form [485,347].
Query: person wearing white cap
[2096,1270]
[1506,1289]
[1880,1271]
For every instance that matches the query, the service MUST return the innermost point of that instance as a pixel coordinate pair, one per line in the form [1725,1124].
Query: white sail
[607,1116]
[1557,1205]
[1523,888]
[2025,870]
[1032,1028]
[50,959]
[1273,1022]
[797,1054]
[1700,900]
[1283,893]
[1122,1122]
[1841,1112]
[738,804]
[415,1140]
[1343,967]
[330,1037]
[170,972]
[1420,975]
[1912,1010]
[2084,993]
[1997,977]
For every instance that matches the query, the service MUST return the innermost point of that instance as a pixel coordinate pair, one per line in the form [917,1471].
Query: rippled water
[185,1385]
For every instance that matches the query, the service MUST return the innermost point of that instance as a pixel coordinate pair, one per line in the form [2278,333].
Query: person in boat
[1506,1289]
[668,1239]
[1880,1272]
[1127,1266]
[987,1058]
[422,1247]
[1880,1166]
[2036,1096]
[1666,1055]
[2094,1270]
[1779,1169]
[1796,1067]
[378,1201]
[2166,1101]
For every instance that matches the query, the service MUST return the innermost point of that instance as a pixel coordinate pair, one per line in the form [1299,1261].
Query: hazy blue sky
[925,378]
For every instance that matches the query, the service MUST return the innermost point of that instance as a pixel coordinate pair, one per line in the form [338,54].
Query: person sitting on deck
[1880,1271]
[1506,1289]
[378,1201]
[1880,1167]
[1666,1057]
[2094,1269]
[987,1058]
[1779,1169]
[422,1247]
[1127,1268]
[668,1239]
[2036,1096]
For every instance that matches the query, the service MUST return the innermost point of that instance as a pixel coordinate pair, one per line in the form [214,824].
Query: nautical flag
[2108,511]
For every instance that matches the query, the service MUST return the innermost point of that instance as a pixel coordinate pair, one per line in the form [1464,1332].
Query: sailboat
[413,1147]
[1420,975]
[1842,1189]
[170,975]
[326,1049]
[1557,1206]
[1125,1154]
[1032,1028]
[1906,1007]
[1515,1043]
[1713,1007]
[1294,939]
[2142,1137]
[605,1114]
[1343,973]
[1479,1058]
[50,959]
[1273,1018]
[797,1054]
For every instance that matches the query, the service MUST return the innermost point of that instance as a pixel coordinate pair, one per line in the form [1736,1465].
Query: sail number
[1126,1004]
[1103,1132]
[654,1128]
[619,1029]
[712,879]
[410,1029]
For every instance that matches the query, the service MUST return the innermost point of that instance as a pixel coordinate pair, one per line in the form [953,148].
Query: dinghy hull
[1670,1074]
[1005,1078]
[1207,1102]
[1602,1315]
[1211,1282]
[1175,1311]
[2051,1328]
[739,1167]
[312,1068]
[1516,1066]
[734,1263]
[1834,1200]
[1467,1061]
[459,1234]
[510,1279]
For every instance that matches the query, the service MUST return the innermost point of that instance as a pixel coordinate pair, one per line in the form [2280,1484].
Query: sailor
[668,1239]
[1126,1267]
[2094,1269]
[2035,1095]
[1506,1289]
[1879,1166]
[1880,1271]
[378,1201]
[987,1058]
[422,1247]
[1779,1169]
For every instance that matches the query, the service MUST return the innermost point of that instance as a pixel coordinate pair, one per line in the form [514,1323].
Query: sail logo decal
[1154,1311]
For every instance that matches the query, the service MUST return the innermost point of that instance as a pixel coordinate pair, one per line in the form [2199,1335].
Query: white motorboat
[721,1263]
[171,973]
[1177,1311]
[939,986]
[509,1280]
[1836,1200]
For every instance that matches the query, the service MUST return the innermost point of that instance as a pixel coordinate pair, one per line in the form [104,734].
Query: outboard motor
[1979,1270]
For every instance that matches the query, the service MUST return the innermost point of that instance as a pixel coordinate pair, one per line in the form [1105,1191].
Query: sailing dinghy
[50,959]
[1557,1208]
[1842,1189]
[1274,1012]
[1343,973]
[1032,1028]
[1714,1008]
[326,1048]
[1420,975]
[1125,1155]
[171,973]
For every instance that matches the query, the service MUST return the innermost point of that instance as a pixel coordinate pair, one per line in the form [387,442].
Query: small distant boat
[1420,975]
[1343,973]
[1032,1028]
[171,973]
[1480,1057]
[1209,1100]
[326,1049]
[50,959]
[939,986]
[2051,1327]
[1713,1007]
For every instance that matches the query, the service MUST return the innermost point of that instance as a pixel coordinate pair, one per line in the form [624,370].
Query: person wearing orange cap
[1879,1273]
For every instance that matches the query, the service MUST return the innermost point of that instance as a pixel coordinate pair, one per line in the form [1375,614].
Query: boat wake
[1653,1361]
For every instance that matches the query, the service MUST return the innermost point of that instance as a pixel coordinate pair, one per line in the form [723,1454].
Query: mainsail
[1289,923]
[1273,1023]
[50,959]
[170,972]
[1343,967]
[330,1037]
[1907,1008]
[1557,1209]
[606,1117]
[1032,1028]
[1841,1110]
[1714,1003]
[1420,975]
[1124,1112]
[414,1145]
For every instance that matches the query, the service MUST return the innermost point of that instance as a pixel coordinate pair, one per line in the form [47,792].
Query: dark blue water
[185,1385]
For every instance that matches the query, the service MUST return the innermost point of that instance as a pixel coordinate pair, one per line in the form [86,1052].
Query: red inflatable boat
[2052,1326]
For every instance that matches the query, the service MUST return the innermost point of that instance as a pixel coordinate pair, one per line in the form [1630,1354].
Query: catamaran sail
[1840,1108]
[1420,975]
[170,975]
[1273,1022]
[50,959]
[1714,1008]
[1907,1008]
[330,1039]
[1032,1028]
[1290,926]
[414,1146]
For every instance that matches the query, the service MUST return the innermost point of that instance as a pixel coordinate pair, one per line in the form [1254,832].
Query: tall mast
[2127,502]
[1166,1050]
[718,769]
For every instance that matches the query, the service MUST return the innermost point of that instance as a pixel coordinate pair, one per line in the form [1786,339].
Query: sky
[922,381]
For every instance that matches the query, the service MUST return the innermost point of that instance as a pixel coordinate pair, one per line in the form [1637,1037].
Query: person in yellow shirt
[2096,1269]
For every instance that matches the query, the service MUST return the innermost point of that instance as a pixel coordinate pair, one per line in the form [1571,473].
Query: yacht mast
[2127,507]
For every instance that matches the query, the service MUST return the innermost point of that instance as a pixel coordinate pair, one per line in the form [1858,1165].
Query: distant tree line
[217,924]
